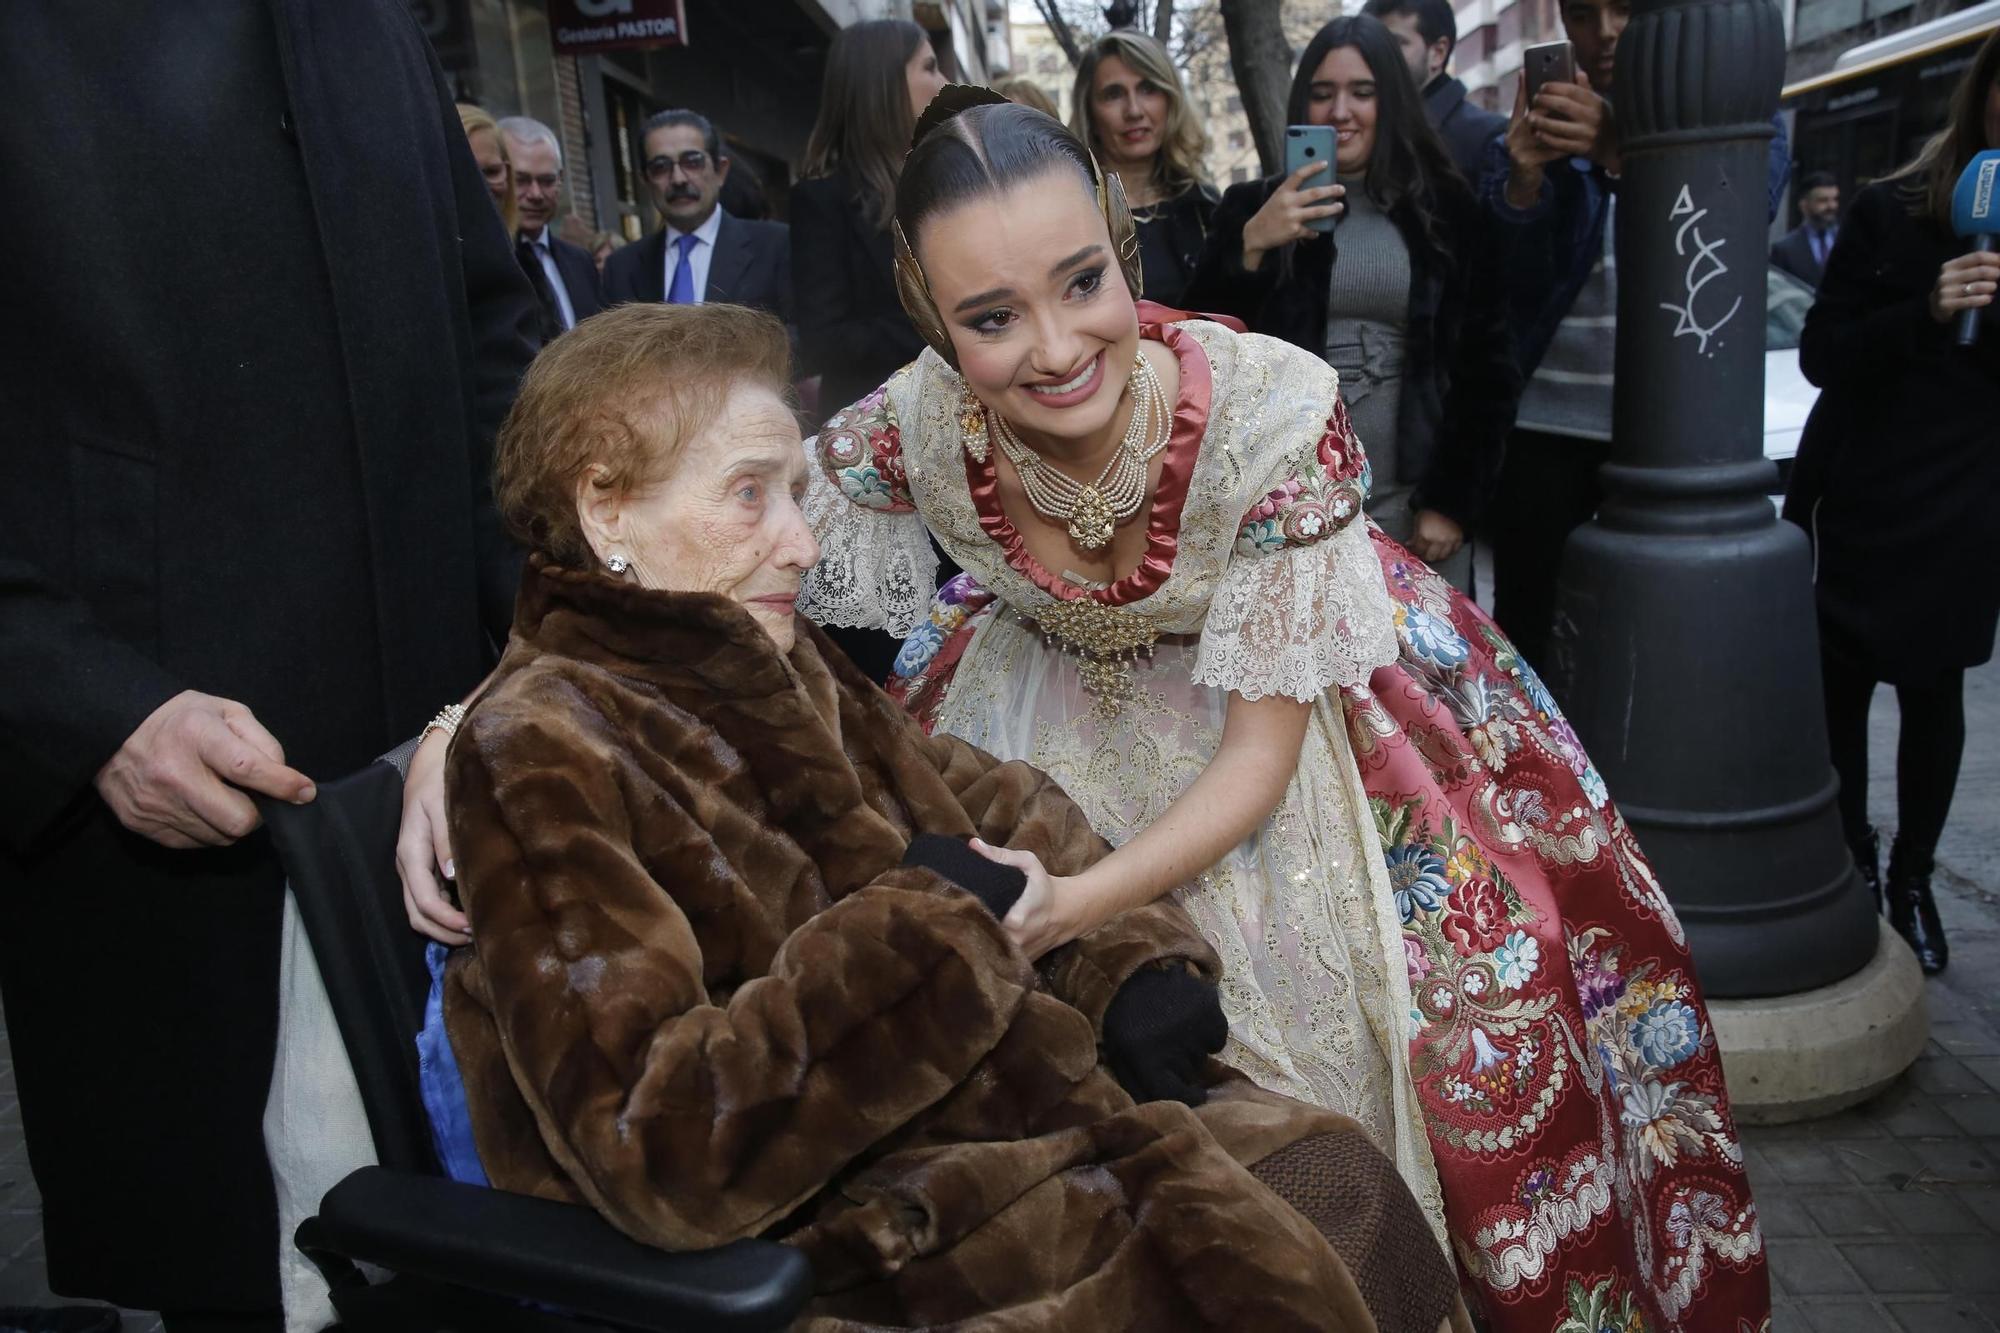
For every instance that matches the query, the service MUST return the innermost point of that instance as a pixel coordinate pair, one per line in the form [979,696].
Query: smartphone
[1312,143]
[1551,62]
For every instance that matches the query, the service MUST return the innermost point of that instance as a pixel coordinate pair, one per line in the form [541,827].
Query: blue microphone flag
[1975,203]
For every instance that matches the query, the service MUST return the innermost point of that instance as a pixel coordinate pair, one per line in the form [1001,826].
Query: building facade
[754,69]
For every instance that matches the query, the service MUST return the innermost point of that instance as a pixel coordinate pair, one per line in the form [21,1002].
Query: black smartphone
[1551,62]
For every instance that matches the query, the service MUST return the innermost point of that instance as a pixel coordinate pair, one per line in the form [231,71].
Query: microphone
[1975,212]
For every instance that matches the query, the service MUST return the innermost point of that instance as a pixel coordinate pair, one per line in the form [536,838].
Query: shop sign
[583,27]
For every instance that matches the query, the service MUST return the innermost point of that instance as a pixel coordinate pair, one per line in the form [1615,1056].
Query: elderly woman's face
[727,520]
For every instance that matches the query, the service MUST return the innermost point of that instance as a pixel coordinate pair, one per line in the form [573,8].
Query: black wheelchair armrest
[552,1254]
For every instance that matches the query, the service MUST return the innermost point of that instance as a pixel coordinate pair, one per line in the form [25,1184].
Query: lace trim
[876,570]
[1300,620]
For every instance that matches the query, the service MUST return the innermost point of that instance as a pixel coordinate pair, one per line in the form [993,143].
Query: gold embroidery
[1105,639]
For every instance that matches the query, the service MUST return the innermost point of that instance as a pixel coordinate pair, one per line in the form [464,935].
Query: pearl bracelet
[446,721]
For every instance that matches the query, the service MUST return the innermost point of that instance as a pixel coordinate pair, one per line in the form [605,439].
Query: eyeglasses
[550,184]
[692,163]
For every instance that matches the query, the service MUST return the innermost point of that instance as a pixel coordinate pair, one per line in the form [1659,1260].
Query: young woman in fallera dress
[1430,914]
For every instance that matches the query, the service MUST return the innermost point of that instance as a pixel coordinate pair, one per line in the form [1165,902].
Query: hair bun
[952,99]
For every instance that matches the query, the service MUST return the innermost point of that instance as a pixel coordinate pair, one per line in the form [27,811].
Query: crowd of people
[963,694]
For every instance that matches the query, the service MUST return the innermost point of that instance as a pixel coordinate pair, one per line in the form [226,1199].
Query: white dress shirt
[542,252]
[698,257]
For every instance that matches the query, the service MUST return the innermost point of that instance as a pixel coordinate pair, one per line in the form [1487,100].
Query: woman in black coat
[853,333]
[1129,105]
[1897,482]
[1437,345]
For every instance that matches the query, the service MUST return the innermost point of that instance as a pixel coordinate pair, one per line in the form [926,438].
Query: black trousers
[1548,489]
[1928,747]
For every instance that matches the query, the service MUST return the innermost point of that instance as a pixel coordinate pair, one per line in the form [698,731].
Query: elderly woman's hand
[1044,917]
[423,847]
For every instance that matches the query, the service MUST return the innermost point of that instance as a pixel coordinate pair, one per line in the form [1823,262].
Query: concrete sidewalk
[1884,1218]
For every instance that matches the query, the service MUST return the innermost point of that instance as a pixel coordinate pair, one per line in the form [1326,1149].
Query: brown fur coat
[705,998]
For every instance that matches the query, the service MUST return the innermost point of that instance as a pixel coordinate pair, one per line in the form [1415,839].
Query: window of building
[1239,139]
[1235,103]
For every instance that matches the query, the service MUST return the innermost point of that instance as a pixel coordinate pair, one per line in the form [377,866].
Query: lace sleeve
[876,568]
[1298,620]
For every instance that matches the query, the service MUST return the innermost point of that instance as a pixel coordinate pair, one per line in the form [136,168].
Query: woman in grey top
[1403,300]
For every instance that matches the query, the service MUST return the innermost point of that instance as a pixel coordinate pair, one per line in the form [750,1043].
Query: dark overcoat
[262,322]
[1898,473]
[1460,381]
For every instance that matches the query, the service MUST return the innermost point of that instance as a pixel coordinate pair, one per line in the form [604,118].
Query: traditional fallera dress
[1445,929]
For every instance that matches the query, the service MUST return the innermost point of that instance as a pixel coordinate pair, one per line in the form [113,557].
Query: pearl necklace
[1094,510]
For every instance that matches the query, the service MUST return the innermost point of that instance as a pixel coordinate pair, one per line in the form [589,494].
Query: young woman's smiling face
[1028,285]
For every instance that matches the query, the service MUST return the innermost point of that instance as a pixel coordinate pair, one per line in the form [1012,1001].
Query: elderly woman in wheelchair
[737,960]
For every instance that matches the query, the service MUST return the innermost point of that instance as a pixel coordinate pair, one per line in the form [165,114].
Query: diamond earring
[617,564]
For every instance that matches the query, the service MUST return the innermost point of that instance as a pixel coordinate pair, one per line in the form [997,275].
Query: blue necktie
[681,291]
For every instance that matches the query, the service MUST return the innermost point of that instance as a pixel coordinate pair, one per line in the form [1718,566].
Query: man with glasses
[564,276]
[703,252]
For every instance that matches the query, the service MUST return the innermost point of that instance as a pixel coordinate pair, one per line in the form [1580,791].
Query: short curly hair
[624,390]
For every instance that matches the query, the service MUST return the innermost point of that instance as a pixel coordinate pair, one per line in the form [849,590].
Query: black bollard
[1685,648]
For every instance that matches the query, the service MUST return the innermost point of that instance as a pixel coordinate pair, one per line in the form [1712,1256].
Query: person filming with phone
[1403,299]
[1552,182]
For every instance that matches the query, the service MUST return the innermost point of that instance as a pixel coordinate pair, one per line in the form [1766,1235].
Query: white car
[1788,395]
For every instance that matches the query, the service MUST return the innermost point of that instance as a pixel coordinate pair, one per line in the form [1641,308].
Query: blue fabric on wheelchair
[442,1086]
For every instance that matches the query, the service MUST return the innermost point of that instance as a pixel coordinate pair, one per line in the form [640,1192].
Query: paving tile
[1942,1073]
[1966,1038]
[1913,1114]
[1854,1316]
[1890,1268]
[1987,1068]
[1984,1201]
[1813,1268]
[1783,1215]
[1937,1317]
[1883,1161]
[1804,1163]
[1978,1115]
[1859,1123]
[1959,1161]
[1845,1213]
[1788,1318]
[1928,1212]
[1969,1266]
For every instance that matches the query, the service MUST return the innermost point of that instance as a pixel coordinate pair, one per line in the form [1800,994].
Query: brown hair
[1927,181]
[1183,142]
[624,390]
[475,119]
[865,119]
[1027,93]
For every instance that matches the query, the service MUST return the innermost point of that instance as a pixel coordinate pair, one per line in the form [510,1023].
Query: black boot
[1912,909]
[1868,860]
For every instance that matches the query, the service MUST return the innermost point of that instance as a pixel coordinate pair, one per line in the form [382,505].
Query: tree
[1075,24]
[1260,55]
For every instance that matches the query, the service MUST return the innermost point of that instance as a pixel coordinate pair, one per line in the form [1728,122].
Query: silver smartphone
[1312,143]
[1551,62]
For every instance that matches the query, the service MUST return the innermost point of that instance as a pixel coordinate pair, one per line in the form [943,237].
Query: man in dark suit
[563,275]
[246,544]
[703,253]
[1803,251]
[1427,31]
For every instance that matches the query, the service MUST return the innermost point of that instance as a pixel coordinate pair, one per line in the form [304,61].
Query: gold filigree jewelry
[1106,640]
[972,424]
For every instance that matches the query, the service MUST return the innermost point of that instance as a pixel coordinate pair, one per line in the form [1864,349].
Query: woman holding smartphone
[1402,297]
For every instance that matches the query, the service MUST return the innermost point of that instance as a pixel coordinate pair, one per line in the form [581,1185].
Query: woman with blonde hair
[1024,92]
[489,150]
[1130,107]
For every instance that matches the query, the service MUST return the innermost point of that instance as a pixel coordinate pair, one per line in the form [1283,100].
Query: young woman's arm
[1259,752]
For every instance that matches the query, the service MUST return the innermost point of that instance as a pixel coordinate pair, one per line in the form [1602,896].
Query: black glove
[1158,1028]
[996,886]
